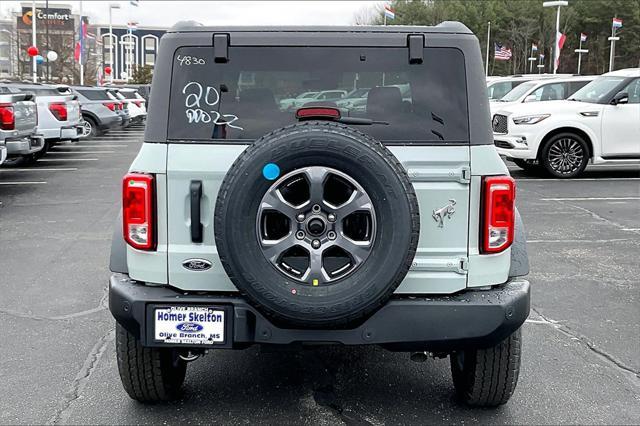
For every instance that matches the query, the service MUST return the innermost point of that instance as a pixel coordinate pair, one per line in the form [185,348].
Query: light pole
[33,30]
[111,6]
[558,4]
[486,62]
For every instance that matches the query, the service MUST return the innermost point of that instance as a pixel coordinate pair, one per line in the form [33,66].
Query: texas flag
[616,23]
[389,12]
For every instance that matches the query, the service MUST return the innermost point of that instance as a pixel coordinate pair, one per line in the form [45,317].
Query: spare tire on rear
[316,224]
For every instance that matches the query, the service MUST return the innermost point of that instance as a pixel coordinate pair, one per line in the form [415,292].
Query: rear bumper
[71,132]
[109,122]
[441,323]
[25,146]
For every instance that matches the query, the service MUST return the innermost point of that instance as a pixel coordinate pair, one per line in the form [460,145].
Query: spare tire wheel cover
[316,224]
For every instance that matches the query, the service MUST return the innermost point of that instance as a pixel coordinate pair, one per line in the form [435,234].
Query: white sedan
[599,123]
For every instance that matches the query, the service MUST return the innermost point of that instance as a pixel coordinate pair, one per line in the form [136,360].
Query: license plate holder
[189,325]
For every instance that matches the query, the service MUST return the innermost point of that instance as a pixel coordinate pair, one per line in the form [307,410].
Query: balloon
[51,55]
[107,70]
[32,51]
[39,59]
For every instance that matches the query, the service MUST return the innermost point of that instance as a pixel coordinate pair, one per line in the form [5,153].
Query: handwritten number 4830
[190,60]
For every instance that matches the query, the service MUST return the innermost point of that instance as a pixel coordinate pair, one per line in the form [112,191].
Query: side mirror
[620,98]
[530,98]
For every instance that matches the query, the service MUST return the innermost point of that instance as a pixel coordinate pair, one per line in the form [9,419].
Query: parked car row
[550,125]
[34,117]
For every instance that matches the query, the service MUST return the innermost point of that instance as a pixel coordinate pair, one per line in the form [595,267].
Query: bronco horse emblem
[446,211]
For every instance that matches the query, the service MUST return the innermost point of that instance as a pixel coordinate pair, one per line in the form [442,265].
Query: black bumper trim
[473,318]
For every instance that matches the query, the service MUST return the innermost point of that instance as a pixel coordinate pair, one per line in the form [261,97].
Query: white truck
[18,120]
[59,117]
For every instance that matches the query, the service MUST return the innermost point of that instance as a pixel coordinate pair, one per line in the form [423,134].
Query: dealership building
[133,48]
[57,29]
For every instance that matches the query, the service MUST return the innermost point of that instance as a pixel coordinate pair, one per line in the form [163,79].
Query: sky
[167,13]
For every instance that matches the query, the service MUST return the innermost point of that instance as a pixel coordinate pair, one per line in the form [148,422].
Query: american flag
[501,53]
[583,37]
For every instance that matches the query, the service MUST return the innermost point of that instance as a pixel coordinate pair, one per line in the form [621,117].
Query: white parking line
[95,145]
[42,169]
[67,159]
[128,140]
[79,152]
[590,199]
[630,229]
[24,183]
[613,240]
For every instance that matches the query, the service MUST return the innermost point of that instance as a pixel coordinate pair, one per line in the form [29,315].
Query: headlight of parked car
[530,119]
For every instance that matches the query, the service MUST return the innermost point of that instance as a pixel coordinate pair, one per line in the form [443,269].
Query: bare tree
[367,15]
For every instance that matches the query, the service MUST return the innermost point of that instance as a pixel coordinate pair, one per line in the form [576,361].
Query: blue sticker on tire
[271,171]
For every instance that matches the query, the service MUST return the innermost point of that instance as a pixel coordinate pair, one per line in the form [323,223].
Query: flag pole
[580,54]
[612,39]
[486,63]
[81,47]
[33,31]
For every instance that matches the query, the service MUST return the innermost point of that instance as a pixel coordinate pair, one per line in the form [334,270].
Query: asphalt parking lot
[581,355]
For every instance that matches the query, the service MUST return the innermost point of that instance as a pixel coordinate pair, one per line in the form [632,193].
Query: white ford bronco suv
[246,223]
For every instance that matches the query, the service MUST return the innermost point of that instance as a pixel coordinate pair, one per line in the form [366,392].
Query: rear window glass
[41,91]
[94,95]
[260,88]
[128,95]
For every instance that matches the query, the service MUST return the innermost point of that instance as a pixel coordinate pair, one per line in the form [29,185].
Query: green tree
[519,23]
[142,74]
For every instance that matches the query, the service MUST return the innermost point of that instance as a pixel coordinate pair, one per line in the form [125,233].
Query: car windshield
[306,95]
[358,93]
[597,90]
[498,89]
[517,92]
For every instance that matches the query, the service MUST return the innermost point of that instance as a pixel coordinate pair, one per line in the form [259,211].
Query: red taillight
[59,111]
[138,103]
[110,105]
[137,211]
[7,118]
[498,199]
[317,112]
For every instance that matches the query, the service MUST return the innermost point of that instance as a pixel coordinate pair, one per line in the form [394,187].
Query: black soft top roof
[447,27]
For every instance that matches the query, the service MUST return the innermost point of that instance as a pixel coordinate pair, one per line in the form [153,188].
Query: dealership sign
[54,18]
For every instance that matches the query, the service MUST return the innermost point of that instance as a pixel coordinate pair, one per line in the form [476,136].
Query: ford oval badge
[189,327]
[196,264]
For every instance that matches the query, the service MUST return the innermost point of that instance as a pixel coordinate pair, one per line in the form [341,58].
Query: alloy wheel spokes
[316,225]
[566,155]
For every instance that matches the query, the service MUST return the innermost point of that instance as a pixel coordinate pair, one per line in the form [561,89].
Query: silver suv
[244,223]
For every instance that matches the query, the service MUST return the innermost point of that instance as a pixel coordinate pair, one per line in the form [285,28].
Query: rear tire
[148,374]
[90,128]
[487,377]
